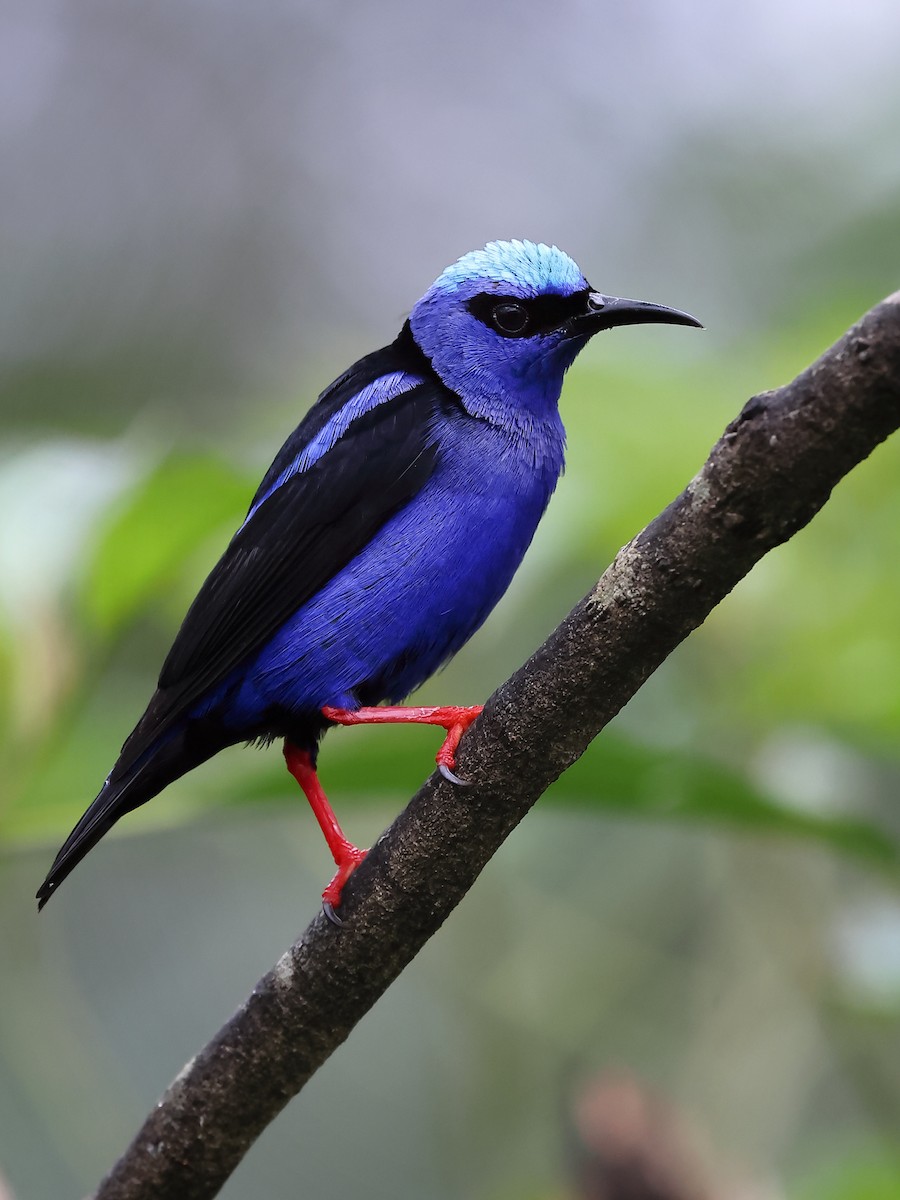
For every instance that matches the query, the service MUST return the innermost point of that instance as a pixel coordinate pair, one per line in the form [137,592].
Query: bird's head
[503,324]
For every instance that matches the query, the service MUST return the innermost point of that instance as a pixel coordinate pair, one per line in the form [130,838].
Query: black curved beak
[605,312]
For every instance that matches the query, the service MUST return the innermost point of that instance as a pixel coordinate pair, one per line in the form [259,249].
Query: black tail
[127,788]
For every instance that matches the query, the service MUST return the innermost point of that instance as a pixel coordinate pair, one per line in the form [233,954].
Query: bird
[388,526]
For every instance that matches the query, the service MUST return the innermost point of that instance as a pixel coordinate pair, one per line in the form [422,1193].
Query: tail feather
[126,789]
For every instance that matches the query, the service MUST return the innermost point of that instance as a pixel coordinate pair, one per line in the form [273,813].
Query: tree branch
[771,471]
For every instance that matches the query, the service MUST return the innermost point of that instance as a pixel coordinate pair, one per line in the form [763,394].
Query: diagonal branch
[771,471]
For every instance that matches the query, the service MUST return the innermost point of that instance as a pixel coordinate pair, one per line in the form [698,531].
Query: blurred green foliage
[810,638]
[152,532]
[775,724]
[208,211]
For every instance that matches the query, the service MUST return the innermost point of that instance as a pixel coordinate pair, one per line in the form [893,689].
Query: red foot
[345,854]
[451,717]
[353,856]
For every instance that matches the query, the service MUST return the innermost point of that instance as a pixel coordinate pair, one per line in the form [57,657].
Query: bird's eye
[510,318]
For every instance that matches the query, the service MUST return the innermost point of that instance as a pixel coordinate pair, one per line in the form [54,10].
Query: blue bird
[389,525]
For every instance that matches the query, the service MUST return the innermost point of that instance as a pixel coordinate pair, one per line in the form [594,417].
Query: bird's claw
[347,858]
[452,777]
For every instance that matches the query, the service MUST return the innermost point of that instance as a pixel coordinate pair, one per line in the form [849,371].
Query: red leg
[452,718]
[345,854]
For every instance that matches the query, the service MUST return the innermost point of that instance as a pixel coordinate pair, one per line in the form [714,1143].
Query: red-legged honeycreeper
[385,531]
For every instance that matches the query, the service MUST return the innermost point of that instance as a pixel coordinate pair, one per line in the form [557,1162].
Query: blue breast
[420,589]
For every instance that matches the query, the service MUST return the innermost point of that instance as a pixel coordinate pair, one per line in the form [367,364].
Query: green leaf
[867,1171]
[163,520]
[617,775]
[614,776]
[363,767]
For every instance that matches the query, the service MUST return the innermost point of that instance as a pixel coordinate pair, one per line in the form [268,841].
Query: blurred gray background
[207,210]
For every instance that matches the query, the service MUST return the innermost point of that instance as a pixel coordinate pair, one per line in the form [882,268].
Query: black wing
[298,539]
[401,355]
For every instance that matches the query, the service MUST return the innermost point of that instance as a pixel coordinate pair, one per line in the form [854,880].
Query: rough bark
[770,472]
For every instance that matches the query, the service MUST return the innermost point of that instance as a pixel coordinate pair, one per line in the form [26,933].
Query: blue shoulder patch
[532,269]
[387,387]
